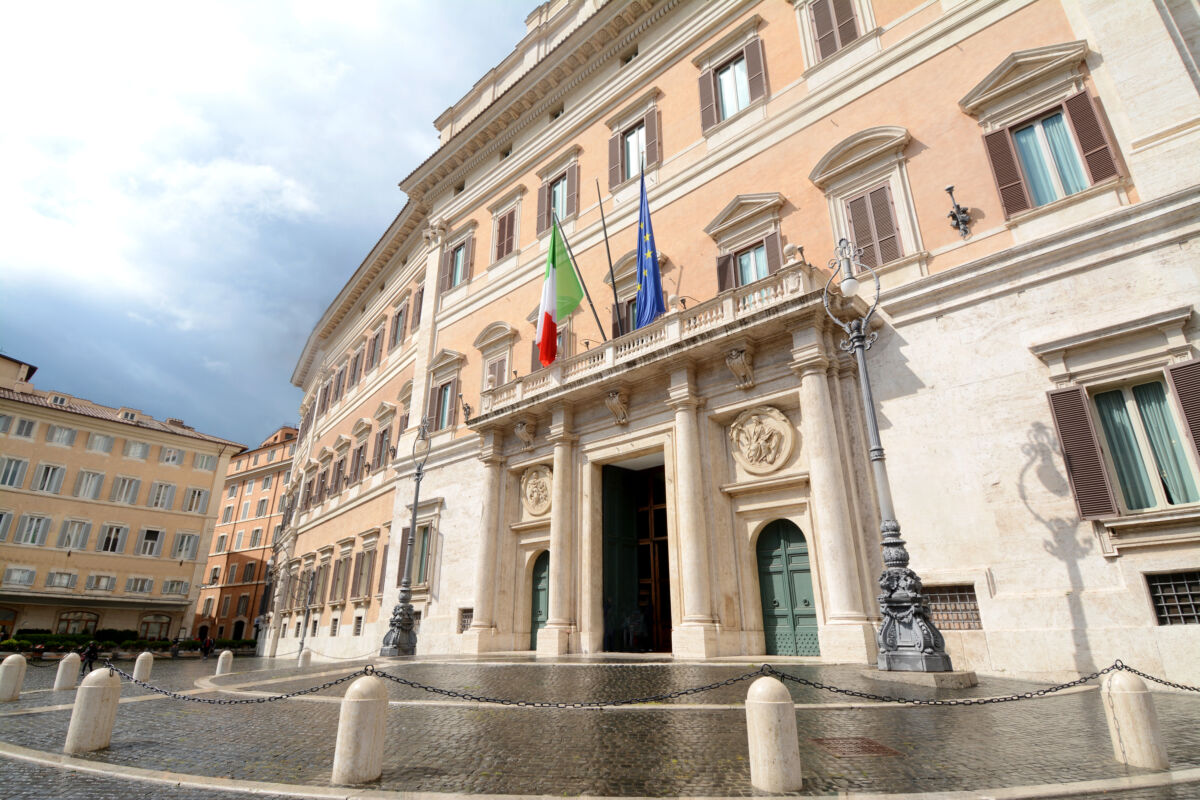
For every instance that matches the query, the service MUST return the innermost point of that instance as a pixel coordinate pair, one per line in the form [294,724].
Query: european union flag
[650,302]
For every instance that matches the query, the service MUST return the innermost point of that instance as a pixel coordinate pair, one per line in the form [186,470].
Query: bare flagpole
[611,276]
[579,274]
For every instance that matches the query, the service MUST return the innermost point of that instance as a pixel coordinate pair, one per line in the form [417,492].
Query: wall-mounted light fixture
[960,218]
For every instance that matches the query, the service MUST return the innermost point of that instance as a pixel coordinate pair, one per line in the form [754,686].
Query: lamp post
[401,639]
[908,640]
[307,594]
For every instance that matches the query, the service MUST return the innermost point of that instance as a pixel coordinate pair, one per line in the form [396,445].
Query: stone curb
[1049,790]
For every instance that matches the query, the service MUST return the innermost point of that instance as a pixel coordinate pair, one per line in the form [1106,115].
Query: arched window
[154,626]
[77,622]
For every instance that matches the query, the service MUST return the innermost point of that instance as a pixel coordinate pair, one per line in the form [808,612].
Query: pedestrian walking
[87,658]
[206,647]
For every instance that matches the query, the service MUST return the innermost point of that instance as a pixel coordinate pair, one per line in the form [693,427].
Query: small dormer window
[556,112]
[129,416]
[629,56]
[506,152]
[460,188]
[58,400]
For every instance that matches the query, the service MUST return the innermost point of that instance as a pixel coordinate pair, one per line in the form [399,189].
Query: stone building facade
[235,589]
[105,513]
[700,486]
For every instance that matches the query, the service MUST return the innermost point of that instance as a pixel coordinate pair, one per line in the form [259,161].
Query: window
[465,617]
[339,476]
[170,455]
[456,264]
[102,583]
[88,484]
[185,547]
[138,450]
[48,478]
[161,495]
[266,481]
[59,435]
[382,443]
[420,564]
[953,608]
[139,585]
[227,515]
[505,235]
[25,429]
[245,510]
[1176,597]
[5,422]
[233,487]
[418,301]
[32,529]
[237,540]
[128,416]
[214,577]
[175,587]
[58,400]
[99,443]
[19,576]
[150,542]
[298,624]
[833,25]
[333,626]
[61,580]
[261,510]
[872,220]
[254,460]
[558,194]
[208,607]
[335,394]
[231,574]
[196,501]
[270,458]
[221,540]
[70,622]
[74,534]
[443,405]
[5,521]
[256,537]
[250,486]
[244,604]
[248,572]
[496,372]
[356,363]
[633,150]
[12,472]
[358,461]
[358,625]
[225,605]
[204,461]
[749,264]
[112,539]
[154,627]
[375,348]
[732,85]
[125,490]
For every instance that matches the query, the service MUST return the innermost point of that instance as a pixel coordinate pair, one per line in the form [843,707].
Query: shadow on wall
[1042,456]
[890,376]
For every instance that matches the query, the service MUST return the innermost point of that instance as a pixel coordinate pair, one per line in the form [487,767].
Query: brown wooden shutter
[616,321]
[431,411]
[756,75]
[468,258]
[1081,452]
[453,401]
[382,569]
[725,272]
[774,252]
[333,585]
[510,241]
[1009,182]
[404,318]
[346,578]
[861,230]
[1185,383]
[824,30]
[708,101]
[883,217]
[843,18]
[543,208]
[615,152]
[395,334]
[403,554]
[445,270]
[1093,139]
[356,574]
[416,307]
[653,124]
[572,190]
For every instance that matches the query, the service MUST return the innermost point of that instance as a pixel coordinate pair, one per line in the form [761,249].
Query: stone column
[483,624]
[847,634]
[554,638]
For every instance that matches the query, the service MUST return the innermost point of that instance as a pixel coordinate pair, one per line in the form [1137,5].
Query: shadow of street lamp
[401,638]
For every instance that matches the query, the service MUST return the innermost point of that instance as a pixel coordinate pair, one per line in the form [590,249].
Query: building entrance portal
[637,583]
[539,600]
[785,581]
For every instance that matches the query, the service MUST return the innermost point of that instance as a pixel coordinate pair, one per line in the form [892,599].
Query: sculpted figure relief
[535,489]
[762,439]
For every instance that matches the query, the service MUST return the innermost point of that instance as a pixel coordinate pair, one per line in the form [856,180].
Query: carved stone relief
[762,439]
[618,405]
[536,485]
[741,363]
[524,430]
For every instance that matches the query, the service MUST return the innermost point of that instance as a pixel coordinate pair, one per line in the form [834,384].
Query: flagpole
[612,277]
[578,274]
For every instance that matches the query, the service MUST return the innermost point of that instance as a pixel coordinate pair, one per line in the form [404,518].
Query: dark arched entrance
[785,583]
[239,629]
[539,601]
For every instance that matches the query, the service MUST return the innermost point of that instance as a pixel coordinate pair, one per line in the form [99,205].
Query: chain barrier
[765,669]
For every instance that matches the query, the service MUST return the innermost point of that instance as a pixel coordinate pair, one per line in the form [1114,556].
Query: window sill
[506,261]
[1114,186]
[1170,527]
[843,60]
[630,188]
[730,128]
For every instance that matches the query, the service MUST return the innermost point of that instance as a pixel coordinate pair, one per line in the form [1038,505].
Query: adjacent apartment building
[251,502]
[700,486]
[106,514]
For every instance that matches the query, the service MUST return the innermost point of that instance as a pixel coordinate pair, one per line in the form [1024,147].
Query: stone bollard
[95,712]
[143,665]
[68,672]
[12,675]
[305,659]
[225,662]
[1133,721]
[771,731]
[358,754]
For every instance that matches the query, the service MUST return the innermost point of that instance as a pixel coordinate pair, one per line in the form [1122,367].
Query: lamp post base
[912,661]
[908,640]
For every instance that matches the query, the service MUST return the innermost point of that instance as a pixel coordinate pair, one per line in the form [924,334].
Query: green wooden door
[785,583]
[539,604]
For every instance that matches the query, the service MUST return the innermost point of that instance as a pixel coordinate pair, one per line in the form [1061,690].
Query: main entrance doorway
[785,582]
[637,582]
[539,600]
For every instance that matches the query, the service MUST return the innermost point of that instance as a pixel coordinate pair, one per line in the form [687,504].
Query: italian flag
[561,294]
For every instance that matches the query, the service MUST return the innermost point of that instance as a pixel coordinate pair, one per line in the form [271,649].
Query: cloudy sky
[184,187]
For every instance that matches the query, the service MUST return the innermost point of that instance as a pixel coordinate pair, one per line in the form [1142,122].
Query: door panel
[539,604]
[785,585]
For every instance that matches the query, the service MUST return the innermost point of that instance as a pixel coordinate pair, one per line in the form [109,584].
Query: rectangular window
[138,450]
[208,607]
[254,461]
[175,587]
[214,577]
[74,534]
[266,481]
[139,585]
[60,435]
[954,608]
[170,455]
[5,422]
[99,443]
[32,529]
[151,542]
[162,495]
[633,143]
[231,574]
[196,501]
[227,515]
[185,547]
[249,486]
[237,540]
[256,537]
[61,580]
[261,510]
[25,429]
[1176,597]
[418,301]
[19,576]
[204,461]
[125,490]
[751,264]
[88,484]
[48,478]
[333,626]
[355,368]
[112,539]
[833,25]
[339,476]
[225,605]
[558,197]
[871,217]
[421,556]
[233,487]
[244,604]
[248,572]
[12,472]
[245,510]
[382,443]
[733,88]
[5,522]
[1049,159]
[496,372]
[358,625]
[506,234]
[358,461]
[101,583]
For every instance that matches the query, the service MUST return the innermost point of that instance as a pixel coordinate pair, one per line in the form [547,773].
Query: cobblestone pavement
[643,751]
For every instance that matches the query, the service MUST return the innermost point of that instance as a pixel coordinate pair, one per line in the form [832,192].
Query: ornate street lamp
[401,639]
[908,640]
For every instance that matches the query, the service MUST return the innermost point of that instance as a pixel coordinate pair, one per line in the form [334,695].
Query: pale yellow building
[106,514]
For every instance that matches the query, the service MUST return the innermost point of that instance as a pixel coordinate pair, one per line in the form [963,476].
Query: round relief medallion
[535,489]
[762,439]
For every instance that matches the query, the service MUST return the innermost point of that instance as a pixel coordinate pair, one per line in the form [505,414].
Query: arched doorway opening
[202,632]
[539,599]
[785,583]
[239,628]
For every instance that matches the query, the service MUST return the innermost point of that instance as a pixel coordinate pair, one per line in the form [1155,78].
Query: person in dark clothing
[206,647]
[88,657]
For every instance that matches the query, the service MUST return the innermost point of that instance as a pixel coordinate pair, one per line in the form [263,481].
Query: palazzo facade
[700,486]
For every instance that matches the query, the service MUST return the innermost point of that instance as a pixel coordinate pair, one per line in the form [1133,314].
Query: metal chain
[765,669]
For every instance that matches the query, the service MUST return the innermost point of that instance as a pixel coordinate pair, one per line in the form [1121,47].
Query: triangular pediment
[1021,71]
[446,358]
[384,410]
[361,427]
[857,152]
[742,209]
[325,454]
[342,443]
